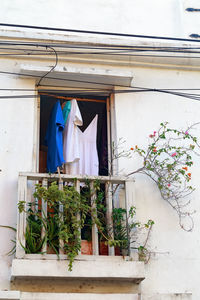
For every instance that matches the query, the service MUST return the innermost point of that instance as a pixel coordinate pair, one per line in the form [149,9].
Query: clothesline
[70,98]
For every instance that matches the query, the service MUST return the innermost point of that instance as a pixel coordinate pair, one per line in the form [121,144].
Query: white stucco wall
[155,17]
[175,257]
[174,266]
[16,154]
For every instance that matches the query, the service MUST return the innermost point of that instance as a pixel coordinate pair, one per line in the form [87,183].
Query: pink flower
[169,184]
[174,154]
[152,135]
[186,133]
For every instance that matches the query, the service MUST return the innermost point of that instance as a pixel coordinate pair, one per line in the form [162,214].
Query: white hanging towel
[84,159]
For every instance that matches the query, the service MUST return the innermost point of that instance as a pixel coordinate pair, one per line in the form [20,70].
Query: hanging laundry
[71,150]
[89,163]
[80,150]
[66,110]
[54,139]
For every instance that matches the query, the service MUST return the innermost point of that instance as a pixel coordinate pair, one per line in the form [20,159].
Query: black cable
[185,95]
[122,52]
[167,90]
[13,89]
[122,48]
[56,62]
[61,79]
[18,96]
[99,32]
[87,89]
[129,55]
[135,88]
[192,96]
[109,50]
[91,82]
[82,87]
[82,81]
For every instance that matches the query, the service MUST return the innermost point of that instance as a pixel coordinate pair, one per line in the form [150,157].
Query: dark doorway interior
[88,111]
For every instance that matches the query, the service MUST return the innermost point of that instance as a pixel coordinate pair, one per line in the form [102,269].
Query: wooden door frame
[111,130]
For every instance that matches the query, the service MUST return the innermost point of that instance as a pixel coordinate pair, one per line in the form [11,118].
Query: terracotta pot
[50,250]
[117,251]
[103,248]
[86,247]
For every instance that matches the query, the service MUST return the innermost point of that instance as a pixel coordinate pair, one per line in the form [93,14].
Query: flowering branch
[167,161]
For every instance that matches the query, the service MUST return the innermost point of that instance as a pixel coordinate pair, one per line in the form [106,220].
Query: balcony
[118,192]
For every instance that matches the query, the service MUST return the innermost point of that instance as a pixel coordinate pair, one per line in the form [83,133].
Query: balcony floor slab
[112,269]
[61,296]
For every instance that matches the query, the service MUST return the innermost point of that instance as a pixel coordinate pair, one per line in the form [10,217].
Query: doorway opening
[89,108]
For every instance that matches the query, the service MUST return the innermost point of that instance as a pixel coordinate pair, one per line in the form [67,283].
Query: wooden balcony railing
[123,197]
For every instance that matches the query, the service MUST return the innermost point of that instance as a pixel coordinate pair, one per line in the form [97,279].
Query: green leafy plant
[68,213]
[124,230]
[62,226]
[127,232]
[13,249]
[120,228]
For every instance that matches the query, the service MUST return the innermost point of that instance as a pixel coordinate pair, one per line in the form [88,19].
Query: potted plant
[127,231]
[120,231]
[60,224]
[86,237]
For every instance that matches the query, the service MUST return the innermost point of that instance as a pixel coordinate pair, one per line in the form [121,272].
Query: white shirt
[80,150]
[71,150]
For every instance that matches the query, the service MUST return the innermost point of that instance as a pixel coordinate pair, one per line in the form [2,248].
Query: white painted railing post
[109,209]
[129,201]
[44,214]
[111,195]
[61,243]
[21,217]
[95,239]
[77,187]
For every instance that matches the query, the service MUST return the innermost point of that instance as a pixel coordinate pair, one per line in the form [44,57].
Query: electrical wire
[115,54]
[185,95]
[119,50]
[90,89]
[130,53]
[94,47]
[98,83]
[141,89]
[94,89]
[61,79]
[99,32]
[56,62]
[191,96]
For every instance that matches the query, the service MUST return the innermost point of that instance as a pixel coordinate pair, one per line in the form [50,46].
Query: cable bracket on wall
[191,9]
[195,36]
